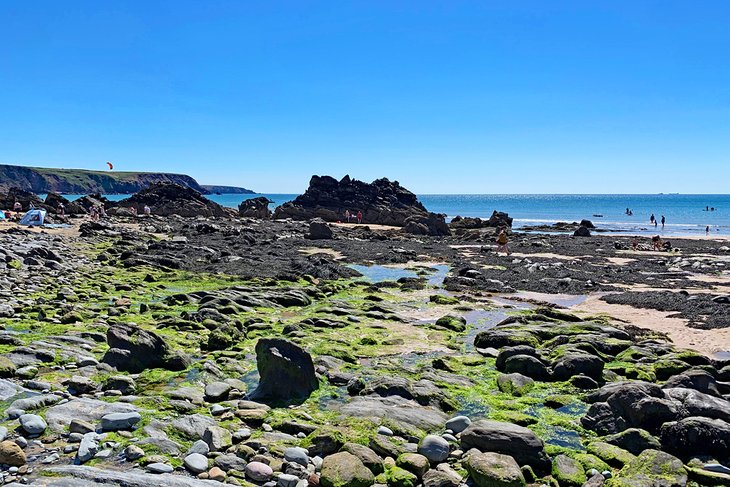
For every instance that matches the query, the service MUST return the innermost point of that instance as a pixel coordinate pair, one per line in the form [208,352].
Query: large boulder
[493,470]
[499,219]
[381,202]
[319,230]
[174,199]
[509,439]
[286,371]
[132,349]
[697,436]
[255,208]
[344,469]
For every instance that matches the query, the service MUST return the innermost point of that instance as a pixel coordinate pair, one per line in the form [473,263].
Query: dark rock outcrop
[286,371]
[319,230]
[94,199]
[133,350]
[582,231]
[381,202]
[498,219]
[173,199]
[7,200]
[55,200]
[255,208]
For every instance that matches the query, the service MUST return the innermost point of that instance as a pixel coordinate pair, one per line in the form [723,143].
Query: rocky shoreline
[223,348]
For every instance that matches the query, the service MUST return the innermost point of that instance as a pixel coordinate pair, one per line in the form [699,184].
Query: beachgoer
[652,219]
[656,242]
[627,211]
[133,210]
[663,220]
[102,211]
[359,216]
[347,215]
[707,230]
[61,209]
[502,242]
[147,210]
[17,207]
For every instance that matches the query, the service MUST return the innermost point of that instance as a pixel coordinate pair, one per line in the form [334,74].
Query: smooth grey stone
[32,424]
[196,463]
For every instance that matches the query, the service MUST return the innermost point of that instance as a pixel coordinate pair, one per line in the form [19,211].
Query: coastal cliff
[80,181]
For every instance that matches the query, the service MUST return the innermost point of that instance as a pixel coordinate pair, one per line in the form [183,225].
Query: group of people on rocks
[357,216]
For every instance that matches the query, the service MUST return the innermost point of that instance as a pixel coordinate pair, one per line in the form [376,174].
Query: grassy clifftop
[81,181]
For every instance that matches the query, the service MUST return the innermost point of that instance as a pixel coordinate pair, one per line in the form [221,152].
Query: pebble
[435,448]
[53,457]
[457,424]
[382,430]
[196,463]
[217,474]
[119,421]
[199,447]
[159,468]
[133,452]
[287,480]
[297,455]
[258,472]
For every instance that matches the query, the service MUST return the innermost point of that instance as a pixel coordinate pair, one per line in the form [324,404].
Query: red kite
[110,165]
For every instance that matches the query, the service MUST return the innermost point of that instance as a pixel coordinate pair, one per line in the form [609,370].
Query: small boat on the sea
[598,216]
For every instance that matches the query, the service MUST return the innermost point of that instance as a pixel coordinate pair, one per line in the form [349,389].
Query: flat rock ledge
[80,476]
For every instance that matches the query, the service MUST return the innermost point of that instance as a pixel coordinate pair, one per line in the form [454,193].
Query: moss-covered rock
[634,440]
[515,384]
[344,469]
[414,463]
[444,300]
[612,455]
[451,322]
[493,470]
[591,462]
[7,368]
[568,472]
[400,477]
[651,467]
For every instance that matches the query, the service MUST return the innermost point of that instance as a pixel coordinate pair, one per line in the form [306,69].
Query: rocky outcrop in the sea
[167,199]
[499,219]
[255,208]
[381,202]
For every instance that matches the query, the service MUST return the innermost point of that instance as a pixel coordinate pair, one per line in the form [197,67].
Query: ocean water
[685,214]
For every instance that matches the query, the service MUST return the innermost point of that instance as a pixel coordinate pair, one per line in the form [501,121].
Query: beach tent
[33,218]
[2,215]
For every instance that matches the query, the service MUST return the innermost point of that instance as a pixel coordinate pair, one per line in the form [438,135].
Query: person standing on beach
[652,219]
[502,242]
[663,220]
[147,210]
[707,230]
[347,215]
[359,216]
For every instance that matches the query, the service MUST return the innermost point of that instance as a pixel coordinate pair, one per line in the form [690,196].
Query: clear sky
[446,97]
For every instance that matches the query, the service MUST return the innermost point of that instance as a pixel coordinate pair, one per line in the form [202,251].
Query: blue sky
[446,97]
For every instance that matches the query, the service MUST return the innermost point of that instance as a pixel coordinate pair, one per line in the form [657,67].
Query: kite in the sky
[111,166]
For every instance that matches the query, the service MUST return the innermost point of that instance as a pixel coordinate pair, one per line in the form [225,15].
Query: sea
[685,214]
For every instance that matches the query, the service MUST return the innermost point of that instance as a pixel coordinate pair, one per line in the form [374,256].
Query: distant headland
[82,181]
